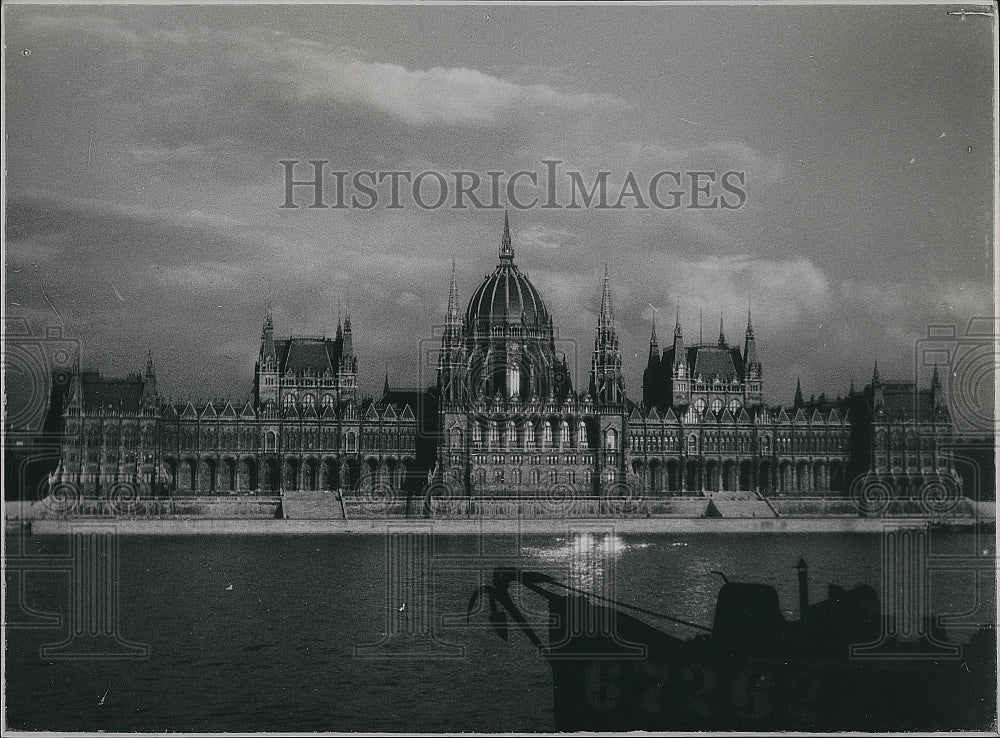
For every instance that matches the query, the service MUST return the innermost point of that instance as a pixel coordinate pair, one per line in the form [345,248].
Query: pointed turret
[654,346]
[722,333]
[606,319]
[750,361]
[606,383]
[149,397]
[506,249]
[267,333]
[450,360]
[878,397]
[348,335]
[679,355]
[936,393]
[798,402]
[266,374]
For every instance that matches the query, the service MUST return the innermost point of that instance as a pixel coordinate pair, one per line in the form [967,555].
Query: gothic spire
[722,333]
[875,379]
[798,393]
[654,345]
[506,249]
[606,319]
[151,371]
[749,322]
[268,320]
[453,295]
[677,323]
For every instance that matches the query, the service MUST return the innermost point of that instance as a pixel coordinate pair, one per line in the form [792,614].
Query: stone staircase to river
[305,505]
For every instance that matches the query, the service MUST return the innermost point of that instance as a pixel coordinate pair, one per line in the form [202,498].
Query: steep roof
[297,354]
[118,394]
[710,361]
[903,401]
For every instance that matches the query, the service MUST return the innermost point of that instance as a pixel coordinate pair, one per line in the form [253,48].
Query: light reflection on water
[587,558]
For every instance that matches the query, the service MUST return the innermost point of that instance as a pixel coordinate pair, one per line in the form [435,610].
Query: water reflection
[586,558]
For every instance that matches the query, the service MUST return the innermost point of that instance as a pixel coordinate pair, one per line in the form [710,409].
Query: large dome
[506,296]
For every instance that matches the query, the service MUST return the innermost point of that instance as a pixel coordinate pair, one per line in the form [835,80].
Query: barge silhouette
[832,669]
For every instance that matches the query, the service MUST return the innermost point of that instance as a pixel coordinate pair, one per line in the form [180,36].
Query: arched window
[515,476]
[716,405]
[351,441]
[570,476]
[535,476]
[552,476]
[309,399]
[692,444]
[494,433]
[288,400]
[734,406]
[477,434]
[327,400]
[699,405]
[581,435]
[611,439]
[511,434]
[547,434]
[564,434]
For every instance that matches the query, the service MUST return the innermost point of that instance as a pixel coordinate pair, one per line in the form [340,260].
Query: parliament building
[503,419]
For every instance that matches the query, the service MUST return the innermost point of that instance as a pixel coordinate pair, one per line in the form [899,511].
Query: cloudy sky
[143,149]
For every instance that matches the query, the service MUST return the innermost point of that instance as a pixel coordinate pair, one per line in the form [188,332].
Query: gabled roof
[329,412]
[727,417]
[228,411]
[189,411]
[209,411]
[800,416]
[408,413]
[670,417]
[290,412]
[653,416]
[370,413]
[783,416]
[247,411]
[816,417]
[635,416]
[389,413]
[310,411]
[744,416]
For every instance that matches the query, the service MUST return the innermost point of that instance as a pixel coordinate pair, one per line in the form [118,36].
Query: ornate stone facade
[302,428]
[505,420]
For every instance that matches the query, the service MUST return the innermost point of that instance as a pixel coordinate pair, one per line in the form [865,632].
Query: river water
[357,633]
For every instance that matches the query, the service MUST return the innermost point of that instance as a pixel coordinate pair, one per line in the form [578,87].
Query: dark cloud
[143,183]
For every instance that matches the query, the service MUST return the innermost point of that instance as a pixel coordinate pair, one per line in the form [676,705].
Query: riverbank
[477,526]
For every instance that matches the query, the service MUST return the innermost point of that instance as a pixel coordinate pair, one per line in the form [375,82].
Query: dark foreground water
[250,633]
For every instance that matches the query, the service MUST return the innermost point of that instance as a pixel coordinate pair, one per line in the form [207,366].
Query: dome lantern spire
[506,250]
